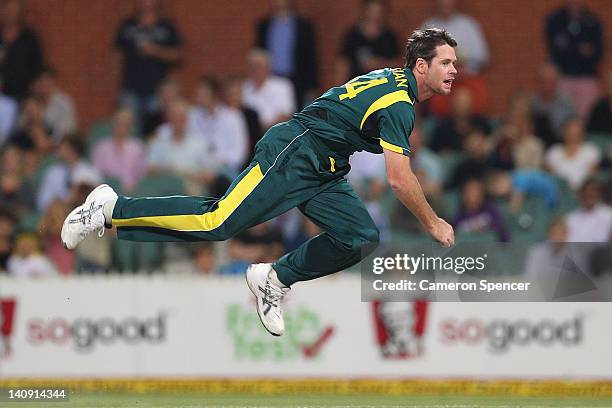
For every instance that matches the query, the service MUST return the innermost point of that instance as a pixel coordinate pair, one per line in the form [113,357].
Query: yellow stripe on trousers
[201,222]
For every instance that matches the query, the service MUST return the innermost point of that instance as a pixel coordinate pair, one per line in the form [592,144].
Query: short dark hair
[75,142]
[211,82]
[423,43]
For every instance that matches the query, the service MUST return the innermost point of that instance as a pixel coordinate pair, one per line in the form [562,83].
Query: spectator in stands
[31,132]
[60,177]
[221,126]
[232,93]
[592,222]
[575,160]
[270,96]
[426,165]
[9,110]
[168,92]
[290,40]
[59,112]
[7,225]
[517,147]
[451,132]
[368,175]
[121,155]
[472,49]
[518,184]
[150,45]
[16,191]
[472,55]
[21,58]
[369,44]
[600,118]
[204,259]
[477,163]
[545,260]
[552,108]
[178,149]
[27,261]
[49,229]
[477,214]
[575,43]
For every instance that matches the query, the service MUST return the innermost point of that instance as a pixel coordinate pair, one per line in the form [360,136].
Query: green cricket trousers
[291,167]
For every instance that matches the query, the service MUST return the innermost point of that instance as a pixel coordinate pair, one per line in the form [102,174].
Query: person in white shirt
[27,261]
[60,177]
[574,160]
[177,148]
[60,115]
[8,115]
[592,222]
[270,96]
[223,128]
[472,49]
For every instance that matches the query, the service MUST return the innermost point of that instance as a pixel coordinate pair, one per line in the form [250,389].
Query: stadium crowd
[542,171]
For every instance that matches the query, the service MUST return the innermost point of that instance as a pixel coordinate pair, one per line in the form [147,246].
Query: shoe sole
[254,291]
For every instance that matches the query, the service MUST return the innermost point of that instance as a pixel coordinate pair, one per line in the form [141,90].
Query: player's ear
[421,66]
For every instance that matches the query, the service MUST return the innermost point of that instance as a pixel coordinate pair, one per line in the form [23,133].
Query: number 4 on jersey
[353,88]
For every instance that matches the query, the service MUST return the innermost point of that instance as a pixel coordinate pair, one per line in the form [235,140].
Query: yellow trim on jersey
[332,163]
[386,101]
[392,147]
[201,222]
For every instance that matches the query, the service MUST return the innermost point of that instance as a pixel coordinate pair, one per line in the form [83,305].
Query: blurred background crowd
[537,169]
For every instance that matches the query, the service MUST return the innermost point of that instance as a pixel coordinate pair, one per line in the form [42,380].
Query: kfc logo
[400,327]
[7,313]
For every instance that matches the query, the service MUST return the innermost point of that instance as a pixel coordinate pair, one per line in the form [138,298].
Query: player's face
[441,72]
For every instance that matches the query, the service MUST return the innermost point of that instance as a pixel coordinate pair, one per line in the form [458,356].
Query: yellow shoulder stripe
[392,147]
[201,222]
[386,101]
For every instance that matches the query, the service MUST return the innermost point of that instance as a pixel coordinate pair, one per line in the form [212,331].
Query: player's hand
[442,232]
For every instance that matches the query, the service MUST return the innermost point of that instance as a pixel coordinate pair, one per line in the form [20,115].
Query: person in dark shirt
[21,58]
[451,132]
[477,163]
[600,118]
[7,223]
[232,93]
[31,132]
[370,44]
[575,43]
[478,214]
[290,40]
[150,45]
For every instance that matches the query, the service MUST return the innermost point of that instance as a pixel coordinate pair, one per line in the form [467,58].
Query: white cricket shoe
[269,297]
[87,217]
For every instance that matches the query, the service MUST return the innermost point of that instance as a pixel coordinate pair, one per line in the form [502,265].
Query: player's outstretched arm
[408,190]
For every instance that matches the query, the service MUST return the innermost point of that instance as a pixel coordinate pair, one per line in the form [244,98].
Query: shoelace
[85,217]
[273,295]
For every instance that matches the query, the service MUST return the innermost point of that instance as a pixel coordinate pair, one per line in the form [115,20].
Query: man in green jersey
[302,163]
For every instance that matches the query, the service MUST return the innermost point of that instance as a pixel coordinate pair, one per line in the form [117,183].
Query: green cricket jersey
[370,112]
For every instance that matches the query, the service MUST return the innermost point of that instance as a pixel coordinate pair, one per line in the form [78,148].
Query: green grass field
[96,400]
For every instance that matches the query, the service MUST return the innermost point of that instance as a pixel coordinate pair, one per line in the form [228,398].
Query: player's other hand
[442,232]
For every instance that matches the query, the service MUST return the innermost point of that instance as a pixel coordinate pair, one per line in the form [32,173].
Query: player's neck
[424,91]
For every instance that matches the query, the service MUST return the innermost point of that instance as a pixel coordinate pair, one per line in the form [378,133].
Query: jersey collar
[413,90]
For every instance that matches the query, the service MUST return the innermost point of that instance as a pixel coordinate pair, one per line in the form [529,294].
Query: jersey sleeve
[395,124]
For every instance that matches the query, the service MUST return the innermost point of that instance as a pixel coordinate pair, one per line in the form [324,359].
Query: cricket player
[302,163]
